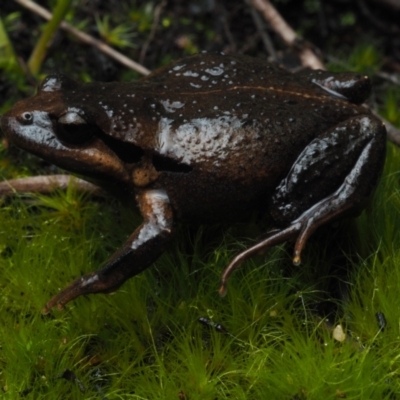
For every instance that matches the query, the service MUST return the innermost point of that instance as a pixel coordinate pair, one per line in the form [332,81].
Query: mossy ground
[145,341]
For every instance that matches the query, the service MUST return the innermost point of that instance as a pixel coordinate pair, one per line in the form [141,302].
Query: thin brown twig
[45,184]
[393,133]
[157,13]
[85,38]
[381,25]
[250,42]
[392,78]
[269,47]
[232,47]
[395,4]
[288,35]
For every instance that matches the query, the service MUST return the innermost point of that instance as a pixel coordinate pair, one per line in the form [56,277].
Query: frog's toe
[275,237]
[90,283]
[299,231]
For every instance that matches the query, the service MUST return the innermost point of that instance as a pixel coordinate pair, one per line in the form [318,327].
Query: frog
[209,138]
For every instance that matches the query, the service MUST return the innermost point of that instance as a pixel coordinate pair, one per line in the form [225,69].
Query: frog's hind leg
[304,200]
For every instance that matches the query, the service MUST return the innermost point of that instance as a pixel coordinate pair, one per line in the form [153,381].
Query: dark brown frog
[209,138]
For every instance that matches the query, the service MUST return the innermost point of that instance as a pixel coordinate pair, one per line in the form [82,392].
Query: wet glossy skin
[209,138]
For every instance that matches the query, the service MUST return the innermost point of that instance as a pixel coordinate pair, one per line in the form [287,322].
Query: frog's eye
[26,118]
[71,128]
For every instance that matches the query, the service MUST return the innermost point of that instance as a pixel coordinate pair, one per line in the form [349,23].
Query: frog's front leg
[141,249]
[335,174]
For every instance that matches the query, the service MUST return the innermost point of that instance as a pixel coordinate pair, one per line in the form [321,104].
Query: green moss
[365,58]
[145,341]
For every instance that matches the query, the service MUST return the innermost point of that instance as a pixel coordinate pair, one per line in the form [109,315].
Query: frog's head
[62,127]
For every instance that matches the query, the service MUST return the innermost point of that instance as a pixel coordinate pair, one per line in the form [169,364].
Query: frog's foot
[90,283]
[307,199]
[299,230]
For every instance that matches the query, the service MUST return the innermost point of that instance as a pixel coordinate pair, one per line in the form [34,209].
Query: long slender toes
[276,237]
[89,283]
[56,301]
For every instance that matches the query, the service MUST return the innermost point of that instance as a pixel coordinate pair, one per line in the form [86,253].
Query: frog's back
[236,115]
[232,118]
[206,72]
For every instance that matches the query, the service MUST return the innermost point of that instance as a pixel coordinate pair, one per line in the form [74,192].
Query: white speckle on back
[108,111]
[216,70]
[191,73]
[195,85]
[51,85]
[200,139]
[365,125]
[171,106]
[75,110]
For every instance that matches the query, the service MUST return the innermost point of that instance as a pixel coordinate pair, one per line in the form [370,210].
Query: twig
[392,78]
[393,133]
[250,42]
[85,38]
[288,35]
[269,47]
[389,3]
[45,184]
[381,25]
[232,47]
[157,13]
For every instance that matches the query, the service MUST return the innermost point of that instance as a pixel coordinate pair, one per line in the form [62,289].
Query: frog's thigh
[337,189]
[348,159]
